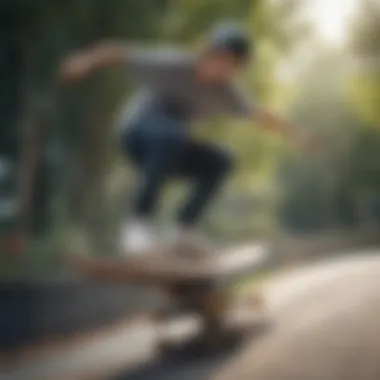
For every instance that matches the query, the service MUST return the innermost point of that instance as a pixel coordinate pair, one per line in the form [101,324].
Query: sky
[330,18]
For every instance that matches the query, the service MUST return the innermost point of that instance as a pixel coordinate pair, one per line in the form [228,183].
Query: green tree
[365,52]
[81,117]
[322,191]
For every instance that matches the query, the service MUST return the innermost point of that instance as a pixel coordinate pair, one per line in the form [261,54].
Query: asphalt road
[326,328]
[329,331]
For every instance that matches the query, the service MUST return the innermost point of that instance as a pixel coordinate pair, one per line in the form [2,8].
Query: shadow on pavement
[184,368]
[187,363]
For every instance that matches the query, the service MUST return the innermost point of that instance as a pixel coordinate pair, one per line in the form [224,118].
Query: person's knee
[222,166]
[170,143]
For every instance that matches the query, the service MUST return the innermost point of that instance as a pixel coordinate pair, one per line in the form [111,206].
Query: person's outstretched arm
[243,106]
[270,121]
[99,56]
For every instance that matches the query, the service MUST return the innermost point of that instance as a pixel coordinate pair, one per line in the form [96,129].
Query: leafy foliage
[365,51]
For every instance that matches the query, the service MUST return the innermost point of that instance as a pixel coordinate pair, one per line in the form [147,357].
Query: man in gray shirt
[177,88]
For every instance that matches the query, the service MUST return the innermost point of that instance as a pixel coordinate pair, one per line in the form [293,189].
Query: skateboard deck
[225,266]
[195,285]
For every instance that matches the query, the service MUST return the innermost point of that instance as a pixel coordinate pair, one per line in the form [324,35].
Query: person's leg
[208,166]
[156,149]
[159,151]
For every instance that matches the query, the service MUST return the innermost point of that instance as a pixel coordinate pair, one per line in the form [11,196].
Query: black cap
[232,38]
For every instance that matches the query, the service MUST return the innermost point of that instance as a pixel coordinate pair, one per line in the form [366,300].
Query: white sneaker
[137,239]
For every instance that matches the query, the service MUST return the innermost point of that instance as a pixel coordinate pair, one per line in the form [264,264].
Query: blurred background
[65,185]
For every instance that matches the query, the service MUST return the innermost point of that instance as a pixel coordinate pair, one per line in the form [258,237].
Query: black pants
[161,148]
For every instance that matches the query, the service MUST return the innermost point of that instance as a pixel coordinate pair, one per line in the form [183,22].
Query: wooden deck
[226,266]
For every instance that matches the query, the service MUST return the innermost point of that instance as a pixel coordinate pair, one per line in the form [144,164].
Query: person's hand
[75,68]
[272,122]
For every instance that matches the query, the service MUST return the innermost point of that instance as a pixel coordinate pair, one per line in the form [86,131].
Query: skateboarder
[176,89]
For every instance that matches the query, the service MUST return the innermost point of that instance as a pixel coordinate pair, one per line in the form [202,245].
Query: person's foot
[137,239]
[187,242]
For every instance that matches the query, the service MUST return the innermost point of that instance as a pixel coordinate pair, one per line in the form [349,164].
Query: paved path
[326,328]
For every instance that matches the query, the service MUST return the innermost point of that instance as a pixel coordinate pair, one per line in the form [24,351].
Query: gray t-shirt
[167,84]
